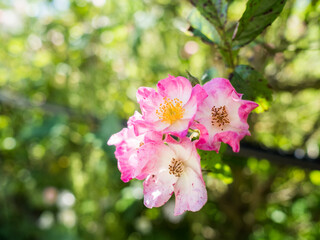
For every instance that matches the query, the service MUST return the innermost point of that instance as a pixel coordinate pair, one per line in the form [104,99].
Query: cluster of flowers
[155,145]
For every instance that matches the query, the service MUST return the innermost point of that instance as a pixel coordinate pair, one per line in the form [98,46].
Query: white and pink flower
[127,145]
[171,109]
[224,115]
[146,149]
[173,167]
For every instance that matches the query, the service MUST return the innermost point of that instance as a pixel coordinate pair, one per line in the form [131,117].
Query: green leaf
[258,15]
[192,79]
[200,27]
[209,74]
[251,83]
[211,161]
[214,11]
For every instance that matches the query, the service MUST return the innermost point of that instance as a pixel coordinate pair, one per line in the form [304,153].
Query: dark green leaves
[209,74]
[212,162]
[258,15]
[251,83]
[192,79]
[200,27]
[214,11]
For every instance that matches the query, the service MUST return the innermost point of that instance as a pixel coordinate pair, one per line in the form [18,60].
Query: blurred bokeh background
[69,71]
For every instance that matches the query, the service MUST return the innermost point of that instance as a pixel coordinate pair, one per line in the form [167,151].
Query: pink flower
[224,115]
[173,167]
[171,109]
[127,145]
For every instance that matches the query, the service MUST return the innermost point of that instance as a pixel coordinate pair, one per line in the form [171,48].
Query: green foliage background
[69,71]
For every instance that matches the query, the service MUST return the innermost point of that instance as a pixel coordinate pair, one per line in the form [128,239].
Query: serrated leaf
[214,11]
[211,161]
[250,83]
[258,15]
[209,74]
[210,158]
[200,27]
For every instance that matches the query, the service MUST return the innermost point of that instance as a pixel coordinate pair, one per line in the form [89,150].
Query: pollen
[140,145]
[219,117]
[170,110]
[176,167]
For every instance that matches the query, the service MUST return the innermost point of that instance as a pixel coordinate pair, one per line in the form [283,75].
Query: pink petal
[144,92]
[143,126]
[210,145]
[135,117]
[157,156]
[158,189]
[128,166]
[197,97]
[246,108]
[204,143]
[186,151]
[231,138]
[219,86]
[117,138]
[127,144]
[172,87]
[153,137]
[190,192]
[149,101]
[178,128]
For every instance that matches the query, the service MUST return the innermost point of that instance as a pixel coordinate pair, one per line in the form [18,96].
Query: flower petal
[231,138]
[186,151]
[190,192]
[118,137]
[178,128]
[149,101]
[197,97]
[157,156]
[178,87]
[219,86]
[128,166]
[246,108]
[158,189]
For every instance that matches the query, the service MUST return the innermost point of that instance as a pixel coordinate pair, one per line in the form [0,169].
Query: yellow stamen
[176,167]
[170,110]
[219,117]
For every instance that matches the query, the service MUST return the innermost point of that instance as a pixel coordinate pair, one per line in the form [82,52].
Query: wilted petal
[190,192]
[158,189]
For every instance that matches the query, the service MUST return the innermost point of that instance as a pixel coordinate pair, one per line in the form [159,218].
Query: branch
[314,83]
[12,99]
[275,156]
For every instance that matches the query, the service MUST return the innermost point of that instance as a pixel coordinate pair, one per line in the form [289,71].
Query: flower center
[176,167]
[219,116]
[170,110]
